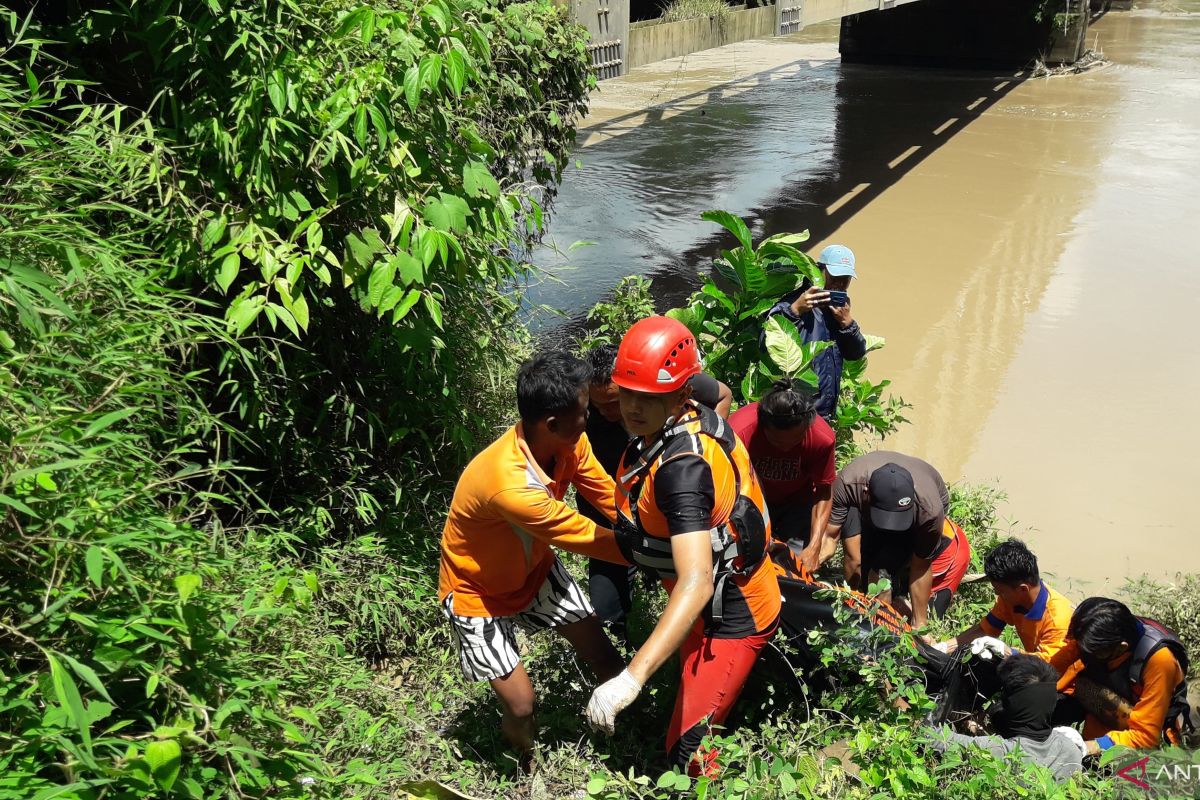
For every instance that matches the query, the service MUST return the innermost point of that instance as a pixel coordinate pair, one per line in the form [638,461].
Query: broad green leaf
[410,269]
[227,274]
[874,342]
[391,297]
[383,275]
[787,348]
[277,91]
[94,562]
[307,716]
[430,70]
[368,26]
[276,311]
[6,341]
[351,21]
[412,87]
[187,584]
[732,224]
[688,317]
[456,71]
[434,308]
[437,12]
[360,126]
[163,758]
[69,700]
[361,249]
[666,779]
[447,212]
[46,481]
[406,305]
[214,232]
[299,309]
[712,291]
[478,181]
[242,313]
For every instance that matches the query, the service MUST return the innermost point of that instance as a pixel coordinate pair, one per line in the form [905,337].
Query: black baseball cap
[893,498]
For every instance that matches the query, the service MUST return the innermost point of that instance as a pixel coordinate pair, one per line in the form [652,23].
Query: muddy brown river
[1029,248]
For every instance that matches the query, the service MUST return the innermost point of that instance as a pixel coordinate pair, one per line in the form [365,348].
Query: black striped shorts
[487,646]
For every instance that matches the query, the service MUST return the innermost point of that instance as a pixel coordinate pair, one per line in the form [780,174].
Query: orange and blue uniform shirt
[506,513]
[1042,628]
[1160,676]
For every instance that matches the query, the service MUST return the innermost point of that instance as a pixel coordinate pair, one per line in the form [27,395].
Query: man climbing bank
[497,569]
[689,509]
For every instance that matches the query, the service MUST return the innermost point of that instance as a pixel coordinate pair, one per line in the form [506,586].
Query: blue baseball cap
[838,260]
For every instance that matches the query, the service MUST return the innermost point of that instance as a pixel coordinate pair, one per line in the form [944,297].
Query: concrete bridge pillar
[608,23]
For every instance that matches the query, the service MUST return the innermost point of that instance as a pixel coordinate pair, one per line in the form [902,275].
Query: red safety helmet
[657,355]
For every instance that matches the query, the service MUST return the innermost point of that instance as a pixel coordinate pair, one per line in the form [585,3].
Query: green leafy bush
[609,319]
[224,455]
[748,352]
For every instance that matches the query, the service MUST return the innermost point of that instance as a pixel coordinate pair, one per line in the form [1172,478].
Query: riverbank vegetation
[257,309]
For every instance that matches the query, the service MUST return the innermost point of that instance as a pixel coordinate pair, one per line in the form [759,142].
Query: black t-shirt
[608,440]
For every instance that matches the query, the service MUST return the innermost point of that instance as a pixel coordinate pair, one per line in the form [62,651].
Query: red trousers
[950,567]
[713,672]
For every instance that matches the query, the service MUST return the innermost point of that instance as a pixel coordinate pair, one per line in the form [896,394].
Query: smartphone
[838,298]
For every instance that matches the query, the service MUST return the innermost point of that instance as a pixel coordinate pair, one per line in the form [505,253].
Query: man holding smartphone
[822,314]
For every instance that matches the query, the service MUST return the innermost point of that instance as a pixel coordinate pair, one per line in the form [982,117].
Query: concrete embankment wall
[658,42]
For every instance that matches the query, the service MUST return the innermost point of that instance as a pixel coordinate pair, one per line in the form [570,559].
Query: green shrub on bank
[223,461]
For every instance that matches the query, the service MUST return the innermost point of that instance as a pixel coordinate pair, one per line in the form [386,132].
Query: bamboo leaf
[94,562]
[69,700]
[108,420]
[89,676]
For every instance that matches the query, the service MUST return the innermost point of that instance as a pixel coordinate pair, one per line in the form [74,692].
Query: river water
[1029,248]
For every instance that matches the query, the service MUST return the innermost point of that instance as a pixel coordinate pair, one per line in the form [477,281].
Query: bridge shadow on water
[804,146]
[889,120]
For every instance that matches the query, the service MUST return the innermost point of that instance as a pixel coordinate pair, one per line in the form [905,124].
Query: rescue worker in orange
[689,509]
[1128,675]
[497,568]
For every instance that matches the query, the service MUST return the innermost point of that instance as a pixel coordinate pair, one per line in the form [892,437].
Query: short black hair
[602,359]
[1099,624]
[550,383]
[786,406]
[1022,669]
[1012,563]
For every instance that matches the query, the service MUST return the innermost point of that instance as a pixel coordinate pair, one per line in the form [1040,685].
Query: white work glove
[988,646]
[610,699]
[1076,739]
[942,647]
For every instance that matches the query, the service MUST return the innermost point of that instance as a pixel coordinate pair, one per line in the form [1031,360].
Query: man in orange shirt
[1136,659]
[497,569]
[1023,600]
